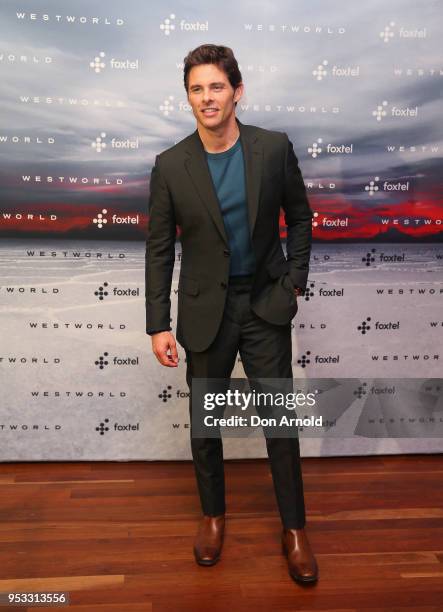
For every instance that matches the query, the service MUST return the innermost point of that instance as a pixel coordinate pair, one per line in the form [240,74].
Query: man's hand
[161,343]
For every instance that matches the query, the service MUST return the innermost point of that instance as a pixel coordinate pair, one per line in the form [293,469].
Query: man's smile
[209,112]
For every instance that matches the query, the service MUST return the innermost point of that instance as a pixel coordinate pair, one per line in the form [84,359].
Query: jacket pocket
[188,285]
[277,268]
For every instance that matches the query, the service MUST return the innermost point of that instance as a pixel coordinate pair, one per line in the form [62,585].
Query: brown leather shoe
[209,539]
[302,565]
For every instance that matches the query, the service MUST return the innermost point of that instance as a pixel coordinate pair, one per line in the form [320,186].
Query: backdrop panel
[92,91]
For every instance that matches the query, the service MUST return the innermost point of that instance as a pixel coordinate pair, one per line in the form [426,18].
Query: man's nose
[206,95]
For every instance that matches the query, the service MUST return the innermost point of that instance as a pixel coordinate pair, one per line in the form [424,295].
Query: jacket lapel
[198,169]
[253,156]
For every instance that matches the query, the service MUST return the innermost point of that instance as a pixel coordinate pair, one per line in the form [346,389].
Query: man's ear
[238,92]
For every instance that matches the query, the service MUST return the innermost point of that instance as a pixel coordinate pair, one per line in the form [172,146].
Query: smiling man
[223,186]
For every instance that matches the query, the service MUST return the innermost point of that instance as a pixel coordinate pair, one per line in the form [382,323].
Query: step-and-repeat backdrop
[92,91]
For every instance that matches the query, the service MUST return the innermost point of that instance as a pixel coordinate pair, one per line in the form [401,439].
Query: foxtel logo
[168,25]
[100,143]
[332,149]
[395,111]
[98,64]
[336,71]
[389,32]
[328,222]
[101,219]
[372,186]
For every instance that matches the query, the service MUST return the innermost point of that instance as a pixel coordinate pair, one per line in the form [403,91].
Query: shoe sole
[304,580]
[207,562]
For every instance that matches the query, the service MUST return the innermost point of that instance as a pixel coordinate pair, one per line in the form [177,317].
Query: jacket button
[223,285]
[226,253]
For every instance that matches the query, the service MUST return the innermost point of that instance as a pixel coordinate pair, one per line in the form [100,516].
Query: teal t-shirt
[228,175]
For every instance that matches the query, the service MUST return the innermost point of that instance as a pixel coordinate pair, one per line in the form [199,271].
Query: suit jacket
[182,193]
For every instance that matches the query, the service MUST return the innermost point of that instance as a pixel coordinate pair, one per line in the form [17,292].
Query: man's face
[212,96]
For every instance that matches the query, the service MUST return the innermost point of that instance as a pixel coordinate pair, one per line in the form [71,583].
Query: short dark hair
[213,54]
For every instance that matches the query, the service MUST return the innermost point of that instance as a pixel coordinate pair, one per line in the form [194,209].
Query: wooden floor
[118,536]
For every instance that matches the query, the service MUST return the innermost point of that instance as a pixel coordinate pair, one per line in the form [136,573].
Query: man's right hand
[162,342]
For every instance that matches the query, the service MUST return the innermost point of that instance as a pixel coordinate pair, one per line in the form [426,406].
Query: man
[223,186]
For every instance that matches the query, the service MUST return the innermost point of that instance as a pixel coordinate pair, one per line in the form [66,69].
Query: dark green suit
[219,316]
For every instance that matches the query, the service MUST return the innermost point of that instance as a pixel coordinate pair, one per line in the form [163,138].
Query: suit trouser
[266,352]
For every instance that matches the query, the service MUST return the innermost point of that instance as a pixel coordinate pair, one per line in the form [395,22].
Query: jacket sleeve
[298,218]
[160,254]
